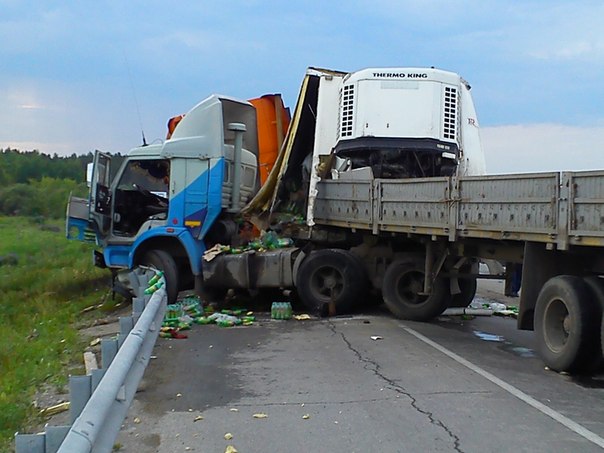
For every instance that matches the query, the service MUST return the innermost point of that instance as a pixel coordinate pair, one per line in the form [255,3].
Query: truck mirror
[89,168]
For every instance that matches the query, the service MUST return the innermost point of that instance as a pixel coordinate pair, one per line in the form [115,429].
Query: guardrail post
[80,389]
[30,443]
[100,421]
[108,351]
[54,437]
[96,377]
[138,305]
[126,325]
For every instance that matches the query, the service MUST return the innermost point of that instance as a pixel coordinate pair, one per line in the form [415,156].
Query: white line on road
[573,426]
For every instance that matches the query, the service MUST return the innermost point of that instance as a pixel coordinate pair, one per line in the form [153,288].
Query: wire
[138,112]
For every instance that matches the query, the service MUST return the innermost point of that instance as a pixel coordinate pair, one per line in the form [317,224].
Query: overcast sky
[79,76]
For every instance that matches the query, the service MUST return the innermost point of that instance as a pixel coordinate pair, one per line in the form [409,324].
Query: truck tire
[467,287]
[403,283]
[565,324]
[164,262]
[596,285]
[331,275]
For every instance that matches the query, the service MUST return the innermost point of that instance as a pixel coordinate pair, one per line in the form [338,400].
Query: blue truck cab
[169,200]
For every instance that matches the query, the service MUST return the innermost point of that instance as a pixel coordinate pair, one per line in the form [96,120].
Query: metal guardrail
[99,402]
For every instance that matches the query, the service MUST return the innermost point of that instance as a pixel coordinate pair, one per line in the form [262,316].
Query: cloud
[80,73]
[543,147]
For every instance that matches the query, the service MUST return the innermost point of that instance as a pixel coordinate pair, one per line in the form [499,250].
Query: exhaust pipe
[239,129]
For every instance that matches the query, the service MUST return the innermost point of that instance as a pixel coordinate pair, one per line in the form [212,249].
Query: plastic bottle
[155,278]
[288,311]
[285,242]
[151,289]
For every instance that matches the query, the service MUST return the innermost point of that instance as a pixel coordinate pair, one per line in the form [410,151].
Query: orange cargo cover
[273,120]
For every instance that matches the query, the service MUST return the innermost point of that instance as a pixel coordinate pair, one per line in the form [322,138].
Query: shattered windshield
[151,175]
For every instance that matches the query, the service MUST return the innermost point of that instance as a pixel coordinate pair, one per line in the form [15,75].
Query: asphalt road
[326,386]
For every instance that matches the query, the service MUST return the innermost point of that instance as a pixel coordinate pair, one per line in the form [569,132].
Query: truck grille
[450,114]
[347,108]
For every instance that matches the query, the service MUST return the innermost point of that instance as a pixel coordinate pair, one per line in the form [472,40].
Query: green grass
[41,299]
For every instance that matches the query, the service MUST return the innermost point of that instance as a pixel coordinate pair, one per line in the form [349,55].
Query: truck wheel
[596,285]
[331,275]
[164,262]
[402,287]
[468,288]
[565,323]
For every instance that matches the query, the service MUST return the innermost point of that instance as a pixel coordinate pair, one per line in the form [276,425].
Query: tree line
[37,184]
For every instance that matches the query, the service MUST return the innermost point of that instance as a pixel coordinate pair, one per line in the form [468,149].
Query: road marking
[573,426]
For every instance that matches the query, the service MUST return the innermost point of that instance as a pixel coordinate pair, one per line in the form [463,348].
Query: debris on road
[228,436]
[477,308]
[56,409]
[170,332]
[260,415]
[376,337]
[302,317]
[190,310]
[306,416]
[90,362]
[281,310]
[198,418]
[230,449]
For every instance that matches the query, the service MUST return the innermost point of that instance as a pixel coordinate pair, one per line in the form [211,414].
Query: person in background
[513,279]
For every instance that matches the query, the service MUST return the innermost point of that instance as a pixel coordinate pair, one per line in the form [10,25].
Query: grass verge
[45,283]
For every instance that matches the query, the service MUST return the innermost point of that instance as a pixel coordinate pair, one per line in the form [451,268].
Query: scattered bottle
[151,289]
[281,310]
[155,278]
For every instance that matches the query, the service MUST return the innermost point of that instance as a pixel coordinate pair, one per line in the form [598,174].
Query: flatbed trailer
[553,223]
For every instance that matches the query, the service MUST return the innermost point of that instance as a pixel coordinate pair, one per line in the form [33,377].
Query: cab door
[100,194]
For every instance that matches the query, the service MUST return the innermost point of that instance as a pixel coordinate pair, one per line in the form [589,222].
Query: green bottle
[288,310]
[156,278]
[274,310]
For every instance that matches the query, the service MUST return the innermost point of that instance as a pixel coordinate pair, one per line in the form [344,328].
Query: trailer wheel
[596,285]
[402,287]
[331,275]
[164,262]
[565,323]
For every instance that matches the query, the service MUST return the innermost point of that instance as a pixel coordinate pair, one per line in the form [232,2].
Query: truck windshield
[151,175]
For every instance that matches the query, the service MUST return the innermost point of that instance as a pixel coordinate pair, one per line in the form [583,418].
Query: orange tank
[172,123]
[273,120]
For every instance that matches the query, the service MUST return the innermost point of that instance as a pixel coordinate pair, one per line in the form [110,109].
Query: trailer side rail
[561,209]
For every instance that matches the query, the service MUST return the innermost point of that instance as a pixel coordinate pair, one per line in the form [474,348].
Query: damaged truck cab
[167,199]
